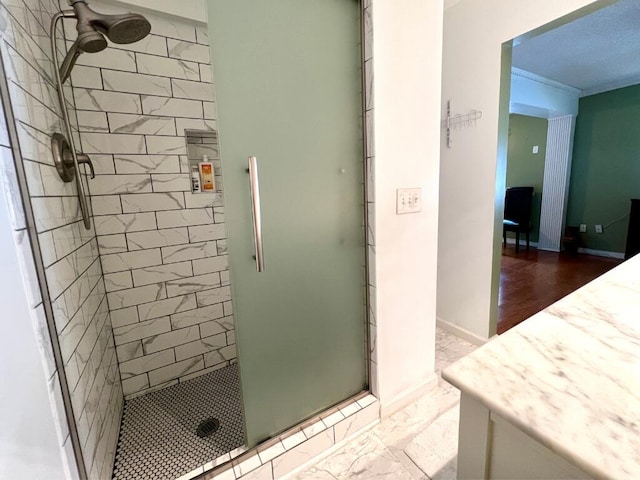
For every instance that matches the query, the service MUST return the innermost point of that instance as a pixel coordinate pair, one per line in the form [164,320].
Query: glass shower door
[288,86]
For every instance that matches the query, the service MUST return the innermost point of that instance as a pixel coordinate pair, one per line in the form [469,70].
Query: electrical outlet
[598,228]
[535,149]
[408,200]
[583,228]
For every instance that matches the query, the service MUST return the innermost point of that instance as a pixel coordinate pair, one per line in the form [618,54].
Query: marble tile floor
[416,443]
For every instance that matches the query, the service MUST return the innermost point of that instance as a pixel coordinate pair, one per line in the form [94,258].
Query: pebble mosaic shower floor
[158,437]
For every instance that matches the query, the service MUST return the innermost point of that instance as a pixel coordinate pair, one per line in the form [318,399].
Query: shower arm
[84,208]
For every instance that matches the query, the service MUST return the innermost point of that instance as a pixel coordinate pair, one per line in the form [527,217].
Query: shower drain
[208,427]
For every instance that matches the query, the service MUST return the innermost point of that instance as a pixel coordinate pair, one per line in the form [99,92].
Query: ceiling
[595,53]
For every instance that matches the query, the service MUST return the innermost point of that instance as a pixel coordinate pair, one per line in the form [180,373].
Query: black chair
[517,213]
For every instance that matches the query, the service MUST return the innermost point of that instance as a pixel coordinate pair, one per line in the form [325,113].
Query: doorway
[583,215]
[287,182]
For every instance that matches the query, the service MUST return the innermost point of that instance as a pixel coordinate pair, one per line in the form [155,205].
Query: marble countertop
[570,375]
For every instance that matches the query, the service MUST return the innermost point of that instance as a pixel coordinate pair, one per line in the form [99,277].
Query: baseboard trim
[549,249]
[601,253]
[461,332]
[523,243]
[586,251]
[407,397]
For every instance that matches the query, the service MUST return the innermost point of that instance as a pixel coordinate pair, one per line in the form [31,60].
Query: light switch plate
[535,149]
[408,200]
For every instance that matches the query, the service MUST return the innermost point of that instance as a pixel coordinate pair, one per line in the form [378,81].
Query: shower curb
[296,448]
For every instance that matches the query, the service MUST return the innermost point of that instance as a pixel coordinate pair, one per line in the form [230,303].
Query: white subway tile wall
[163,249]
[69,252]
[367,13]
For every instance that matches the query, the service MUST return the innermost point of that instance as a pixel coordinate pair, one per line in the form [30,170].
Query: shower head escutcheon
[92,27]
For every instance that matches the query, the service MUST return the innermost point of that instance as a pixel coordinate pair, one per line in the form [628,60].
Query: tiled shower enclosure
[142,300]
[163,248]
[155,256]
[47,220]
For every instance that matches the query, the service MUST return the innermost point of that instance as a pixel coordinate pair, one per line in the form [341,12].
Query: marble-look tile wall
[367,51]
[163,248]
[31,285]
[73,282]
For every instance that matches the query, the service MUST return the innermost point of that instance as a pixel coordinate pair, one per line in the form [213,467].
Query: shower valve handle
[63,158]
[84,159]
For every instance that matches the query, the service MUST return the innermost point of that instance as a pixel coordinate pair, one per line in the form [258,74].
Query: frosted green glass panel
[288,87]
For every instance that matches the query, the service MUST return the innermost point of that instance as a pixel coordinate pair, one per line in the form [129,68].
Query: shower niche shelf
[203,147]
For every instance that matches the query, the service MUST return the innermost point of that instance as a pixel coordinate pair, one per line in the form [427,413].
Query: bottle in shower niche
[195,179]
[206,175]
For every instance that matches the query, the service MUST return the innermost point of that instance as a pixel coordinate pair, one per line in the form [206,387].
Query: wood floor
[531,281]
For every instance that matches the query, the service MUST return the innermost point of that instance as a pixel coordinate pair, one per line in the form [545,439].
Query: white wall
[29,446]
[470,198]
[540,97]
[407,42]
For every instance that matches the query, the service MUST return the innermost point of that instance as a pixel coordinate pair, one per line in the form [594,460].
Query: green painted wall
[605,173]
[525,168]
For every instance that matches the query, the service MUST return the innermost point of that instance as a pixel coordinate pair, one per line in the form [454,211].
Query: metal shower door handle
[255,212]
